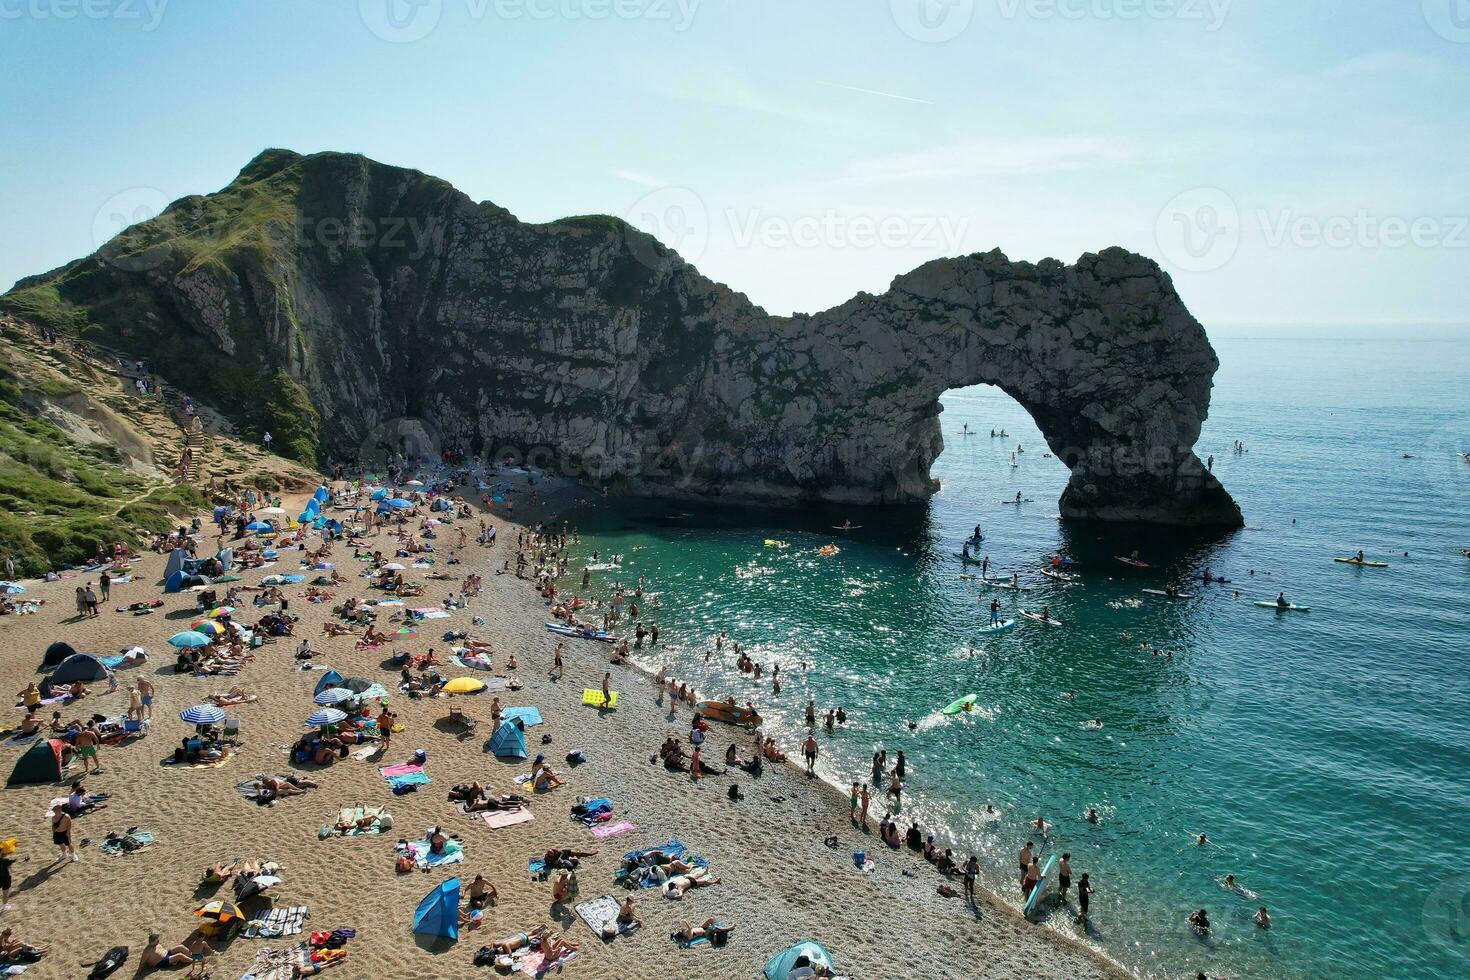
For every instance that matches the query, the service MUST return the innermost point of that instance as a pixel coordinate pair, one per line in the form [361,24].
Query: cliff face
[377,295]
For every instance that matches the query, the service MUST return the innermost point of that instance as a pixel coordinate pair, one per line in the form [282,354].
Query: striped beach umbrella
[208,627]
[333,695]
[203,714]
[326,716]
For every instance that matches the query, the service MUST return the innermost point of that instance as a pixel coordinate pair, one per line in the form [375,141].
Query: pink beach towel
[404,769]
[612,829]
[499,819]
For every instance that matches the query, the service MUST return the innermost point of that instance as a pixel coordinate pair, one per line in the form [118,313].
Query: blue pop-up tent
[508,742]
[813,954]
[330,679]
[438,913]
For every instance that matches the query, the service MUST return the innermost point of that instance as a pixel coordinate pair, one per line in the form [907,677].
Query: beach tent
[330,679]
[357,684]
[181,580]
[41,763]
[226,558]
[378,494]
[176,559]
[79,667]
[56,653]
[778,967]
[508,742]
[438,913]
[321,495]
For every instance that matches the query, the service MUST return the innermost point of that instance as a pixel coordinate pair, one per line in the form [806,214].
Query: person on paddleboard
[1281,602]
[984,566]
[977,535]
[1359,556]
[994,612]
[965,549]
[1018,496]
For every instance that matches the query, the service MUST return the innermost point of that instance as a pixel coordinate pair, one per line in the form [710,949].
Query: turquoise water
[1326,754]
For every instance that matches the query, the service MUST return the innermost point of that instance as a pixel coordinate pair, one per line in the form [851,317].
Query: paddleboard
[1132,562]
[1037,618]
[855,527]
[999,627]
[970,559]
[1002,584]
[1051,862]
[1028,500]
[1059,576]
[960,704]
[1161,592]
[975,538]
[1279,608]
[1361,564]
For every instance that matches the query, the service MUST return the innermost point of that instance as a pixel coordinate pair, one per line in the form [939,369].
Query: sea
[1324,754]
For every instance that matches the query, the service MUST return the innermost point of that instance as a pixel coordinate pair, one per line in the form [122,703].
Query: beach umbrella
[188,640]
[394,566]
[326,716]
[220,612]
[271,512]
[415,483]
[258,526]
[203,714]
[207,627]
[333,695]
[464,685]
[398,503]
[219,910]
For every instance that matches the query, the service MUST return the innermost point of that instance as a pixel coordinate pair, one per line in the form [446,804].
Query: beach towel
[697,940]
[126,844]
[423,858]
[411,779]
[354,814]
[402,769]
[529,715]
[534,964]
[496,819]
[278,964]
[599,912]
[612,829]
[431,613]
[594,697]
[271,923]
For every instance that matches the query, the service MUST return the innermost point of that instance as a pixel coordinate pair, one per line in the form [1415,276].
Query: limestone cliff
[374,294]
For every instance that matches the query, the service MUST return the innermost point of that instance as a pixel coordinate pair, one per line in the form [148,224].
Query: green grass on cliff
[60,499]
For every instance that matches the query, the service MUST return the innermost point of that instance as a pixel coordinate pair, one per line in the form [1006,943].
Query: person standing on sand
[863,800]
[1025,861]
[809,750]
[557,669]
[106,584]
[135,703]
[606,684]
[86,743]
[971,872]
[61,835]
[145,688]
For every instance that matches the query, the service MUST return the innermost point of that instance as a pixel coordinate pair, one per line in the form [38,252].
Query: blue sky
[1288,161]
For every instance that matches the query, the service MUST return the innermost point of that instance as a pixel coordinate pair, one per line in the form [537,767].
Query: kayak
[962,704]
[1280,608]
[851,527]
[1161,592]
[562,629]
[1059,576]
[1036,618]
[999,627]
[1051,862]
[999,583]
[1362,564]
[1132,562]
[728,712]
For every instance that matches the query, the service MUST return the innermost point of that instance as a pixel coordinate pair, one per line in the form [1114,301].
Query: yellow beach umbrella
[219,910]
[464,685]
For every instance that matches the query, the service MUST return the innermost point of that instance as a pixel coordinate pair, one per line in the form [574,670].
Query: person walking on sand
[809,750]
[557,670]
[145,689]
[971,872]
[61,835]
[105,582]
[86,743]
[1024,860]
[606,685]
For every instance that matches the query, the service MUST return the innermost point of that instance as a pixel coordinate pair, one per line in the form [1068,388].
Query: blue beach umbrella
[333,695]
[258,526]
[326,716]
[398,503]
[188,640]
[203,714]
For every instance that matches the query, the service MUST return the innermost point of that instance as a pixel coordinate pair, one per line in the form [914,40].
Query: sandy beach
[779,882]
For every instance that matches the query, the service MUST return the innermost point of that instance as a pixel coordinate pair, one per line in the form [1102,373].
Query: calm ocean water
[1326,754]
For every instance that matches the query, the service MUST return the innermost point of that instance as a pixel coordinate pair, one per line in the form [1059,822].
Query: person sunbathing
[235,695]
[564,857]
[467,792]
[155,955]
[708,929]
[509,802]
[544,779]
[346,824]
[773,754]
[12,950]
[482,893]
[522,940]
[552,948]
[290,786]
[676,886]
[336,629]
